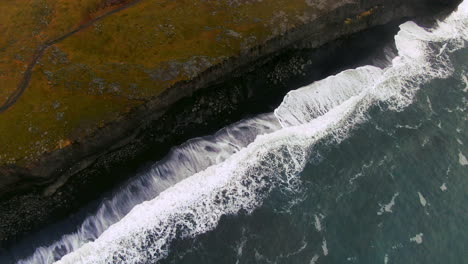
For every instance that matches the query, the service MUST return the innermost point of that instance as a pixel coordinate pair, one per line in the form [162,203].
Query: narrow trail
[13,98]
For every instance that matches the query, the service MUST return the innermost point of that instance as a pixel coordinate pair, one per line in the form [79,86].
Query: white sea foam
[387,208]
[465,80]
[317,223]
[324,248]
[314,259]
[462,159]
[310,102]
[195,205]
[240,247]
[325,111]
[183,161]
[422,200]
[418,239]
[443,187]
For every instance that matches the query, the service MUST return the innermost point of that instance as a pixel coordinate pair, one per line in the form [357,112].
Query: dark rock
[28,197]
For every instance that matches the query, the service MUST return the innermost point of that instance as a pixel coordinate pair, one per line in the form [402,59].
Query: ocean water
[367,166]
[394,191]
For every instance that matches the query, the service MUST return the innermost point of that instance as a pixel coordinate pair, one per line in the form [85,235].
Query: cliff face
[87,85]
[73,67]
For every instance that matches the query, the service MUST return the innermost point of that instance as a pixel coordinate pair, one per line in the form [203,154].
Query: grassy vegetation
[101,72]
[27,24]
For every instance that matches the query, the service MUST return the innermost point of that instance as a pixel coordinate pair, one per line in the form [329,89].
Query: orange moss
[365,13]
[63,143]
[95,75]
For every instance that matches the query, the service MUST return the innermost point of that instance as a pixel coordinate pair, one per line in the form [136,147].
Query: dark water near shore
[368,166]
[395,192]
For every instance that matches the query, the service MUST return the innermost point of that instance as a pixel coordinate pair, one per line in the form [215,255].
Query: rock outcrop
[129,79]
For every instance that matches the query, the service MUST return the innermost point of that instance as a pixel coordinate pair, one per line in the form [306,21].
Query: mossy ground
[101,72]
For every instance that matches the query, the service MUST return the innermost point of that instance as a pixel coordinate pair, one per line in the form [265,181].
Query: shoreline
[202,107]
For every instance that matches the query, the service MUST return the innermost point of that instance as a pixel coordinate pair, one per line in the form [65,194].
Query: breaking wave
[183,161]
[187,193]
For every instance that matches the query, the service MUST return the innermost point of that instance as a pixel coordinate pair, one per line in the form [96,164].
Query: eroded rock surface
[96,73]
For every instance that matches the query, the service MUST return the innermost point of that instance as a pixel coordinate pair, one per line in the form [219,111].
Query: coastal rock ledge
[91,88]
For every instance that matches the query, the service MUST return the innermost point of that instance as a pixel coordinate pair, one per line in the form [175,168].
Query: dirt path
[13,98]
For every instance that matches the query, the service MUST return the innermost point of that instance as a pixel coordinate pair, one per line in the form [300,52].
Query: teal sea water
[395,191]
[367,166]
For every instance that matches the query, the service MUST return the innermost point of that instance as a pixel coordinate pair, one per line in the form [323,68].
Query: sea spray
[195,205]
[181,162]
[240,183]
[305,104]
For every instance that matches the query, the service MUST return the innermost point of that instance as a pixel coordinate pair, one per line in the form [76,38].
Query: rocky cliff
[90,86]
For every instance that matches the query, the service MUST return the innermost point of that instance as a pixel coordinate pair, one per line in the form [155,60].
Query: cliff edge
[84,84]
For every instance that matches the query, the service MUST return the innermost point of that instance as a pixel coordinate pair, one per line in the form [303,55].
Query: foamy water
[191,190]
